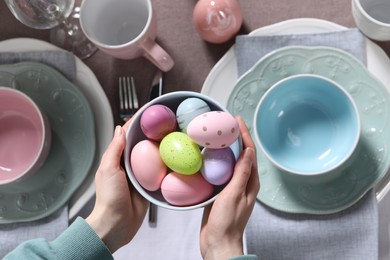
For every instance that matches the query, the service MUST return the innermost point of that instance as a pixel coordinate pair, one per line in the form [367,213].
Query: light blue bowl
[307,124]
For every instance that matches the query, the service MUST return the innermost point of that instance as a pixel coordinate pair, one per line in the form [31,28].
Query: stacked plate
[81,124]
[371,163]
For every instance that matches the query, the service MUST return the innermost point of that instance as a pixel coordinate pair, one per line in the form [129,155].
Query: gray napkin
[62,61]
[249,49]
[11,235]
[272,234]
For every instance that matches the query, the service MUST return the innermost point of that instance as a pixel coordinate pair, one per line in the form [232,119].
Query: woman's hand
[119,209]
[224,221]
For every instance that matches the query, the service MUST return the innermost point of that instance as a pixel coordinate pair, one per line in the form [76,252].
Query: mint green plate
[73,143]
[371,159]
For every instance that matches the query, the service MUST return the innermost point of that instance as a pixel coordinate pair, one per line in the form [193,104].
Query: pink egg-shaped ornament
[217,21]
[218,165]
[215,129]
[157,121]
[185,190]
[147,166]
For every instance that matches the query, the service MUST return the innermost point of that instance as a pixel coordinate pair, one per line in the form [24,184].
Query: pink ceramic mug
[124,29]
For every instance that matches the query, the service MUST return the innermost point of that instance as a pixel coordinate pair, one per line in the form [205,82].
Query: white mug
[124,29]
[372,17]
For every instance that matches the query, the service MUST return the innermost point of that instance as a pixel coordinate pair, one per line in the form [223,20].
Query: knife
[157,85]
[155,91]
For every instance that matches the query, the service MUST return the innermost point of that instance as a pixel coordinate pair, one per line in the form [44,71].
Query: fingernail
[249,153]
[118,131]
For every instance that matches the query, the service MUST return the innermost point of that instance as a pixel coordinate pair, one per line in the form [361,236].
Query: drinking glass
[59,15]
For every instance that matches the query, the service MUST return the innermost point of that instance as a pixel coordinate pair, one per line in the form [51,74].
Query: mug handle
[157,55]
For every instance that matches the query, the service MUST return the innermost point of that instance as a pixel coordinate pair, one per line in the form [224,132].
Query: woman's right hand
[224,221]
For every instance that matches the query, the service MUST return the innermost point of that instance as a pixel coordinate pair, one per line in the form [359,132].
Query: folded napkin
[49,227]
[272,234]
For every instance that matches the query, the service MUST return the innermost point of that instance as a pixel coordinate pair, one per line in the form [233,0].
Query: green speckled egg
[180,153]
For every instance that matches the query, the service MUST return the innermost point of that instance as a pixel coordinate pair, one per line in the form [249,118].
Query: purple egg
[157,121]
[218,165]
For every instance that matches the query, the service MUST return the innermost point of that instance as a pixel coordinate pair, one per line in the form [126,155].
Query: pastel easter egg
[180,153]
[185,190]
[157,121]
[215,129]
[188,110]
[218,165]
[147,166]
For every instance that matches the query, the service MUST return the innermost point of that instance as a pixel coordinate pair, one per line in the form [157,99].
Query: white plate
[104,122]
[222,78]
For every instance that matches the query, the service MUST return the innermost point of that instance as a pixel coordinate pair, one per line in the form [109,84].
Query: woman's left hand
[119,209]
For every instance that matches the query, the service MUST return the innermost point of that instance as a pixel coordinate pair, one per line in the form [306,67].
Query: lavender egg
[218,165]
[188,110]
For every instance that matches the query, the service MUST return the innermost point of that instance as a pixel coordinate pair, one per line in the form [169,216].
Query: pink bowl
[25,136]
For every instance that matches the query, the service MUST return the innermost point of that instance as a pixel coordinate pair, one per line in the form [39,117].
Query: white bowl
[135,135]
[372,18]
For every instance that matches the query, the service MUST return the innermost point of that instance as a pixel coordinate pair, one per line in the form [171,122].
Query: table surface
[194,58]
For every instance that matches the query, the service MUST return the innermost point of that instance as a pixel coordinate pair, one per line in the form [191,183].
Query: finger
[242,171]
[245,134]
[206,214]
[253,186]
[115,149]
[127,124]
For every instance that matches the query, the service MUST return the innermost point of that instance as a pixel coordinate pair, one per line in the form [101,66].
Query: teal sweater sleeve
[78,241]
[244,257]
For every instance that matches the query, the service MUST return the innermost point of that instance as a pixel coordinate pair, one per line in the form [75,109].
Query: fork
[128,100]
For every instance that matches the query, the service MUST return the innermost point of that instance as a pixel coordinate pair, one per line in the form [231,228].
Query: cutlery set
[129,105]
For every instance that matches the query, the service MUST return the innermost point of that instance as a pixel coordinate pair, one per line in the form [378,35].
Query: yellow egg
[180,153]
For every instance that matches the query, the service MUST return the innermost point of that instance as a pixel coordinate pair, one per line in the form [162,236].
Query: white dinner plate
[94,93]
[222,78]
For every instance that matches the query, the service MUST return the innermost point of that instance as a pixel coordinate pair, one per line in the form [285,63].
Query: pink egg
[147,166]
[157,121]
[215,129]
[185,190]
